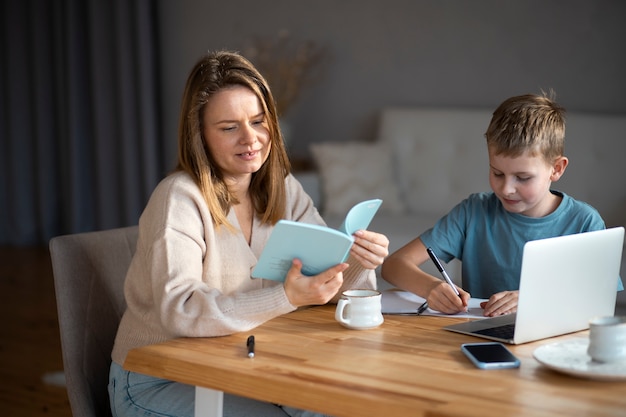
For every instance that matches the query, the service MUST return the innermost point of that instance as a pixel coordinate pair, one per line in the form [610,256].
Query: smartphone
[490,355]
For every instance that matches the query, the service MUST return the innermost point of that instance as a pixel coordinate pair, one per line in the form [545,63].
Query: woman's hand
[319,289]
[501,303]
[370,248]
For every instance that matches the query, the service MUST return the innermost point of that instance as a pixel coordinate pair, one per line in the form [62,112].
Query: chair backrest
[89,272]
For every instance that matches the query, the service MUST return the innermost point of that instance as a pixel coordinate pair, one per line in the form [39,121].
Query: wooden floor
[29,343]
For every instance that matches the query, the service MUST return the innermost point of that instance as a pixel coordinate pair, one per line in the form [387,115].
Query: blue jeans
[133,395]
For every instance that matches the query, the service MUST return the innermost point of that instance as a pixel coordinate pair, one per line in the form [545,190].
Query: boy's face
[522,183]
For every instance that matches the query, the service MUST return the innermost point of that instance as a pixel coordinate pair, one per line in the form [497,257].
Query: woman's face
[236,132]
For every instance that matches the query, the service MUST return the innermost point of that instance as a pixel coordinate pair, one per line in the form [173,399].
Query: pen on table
[422,308]
[441,270]
[250,344]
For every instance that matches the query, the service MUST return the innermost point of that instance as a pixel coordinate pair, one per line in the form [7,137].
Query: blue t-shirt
[490,240]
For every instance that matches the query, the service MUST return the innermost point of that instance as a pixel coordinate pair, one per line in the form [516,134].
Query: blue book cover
[318,247]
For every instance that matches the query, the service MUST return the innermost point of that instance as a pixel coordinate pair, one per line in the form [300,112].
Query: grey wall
[412,52]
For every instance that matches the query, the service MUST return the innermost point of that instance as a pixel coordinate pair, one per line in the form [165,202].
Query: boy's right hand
[302,290]
[443,299]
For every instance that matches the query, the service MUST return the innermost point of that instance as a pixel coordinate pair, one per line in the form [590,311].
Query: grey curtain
[80,142]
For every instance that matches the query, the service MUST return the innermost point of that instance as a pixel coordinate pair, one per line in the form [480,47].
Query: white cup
[359,309]
[607,339]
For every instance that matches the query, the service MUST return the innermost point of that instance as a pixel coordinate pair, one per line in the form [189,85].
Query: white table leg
[209,402]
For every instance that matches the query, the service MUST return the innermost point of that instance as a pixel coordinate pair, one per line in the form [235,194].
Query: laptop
[564,282]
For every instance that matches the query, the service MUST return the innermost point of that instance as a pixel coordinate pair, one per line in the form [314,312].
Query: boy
[487,231]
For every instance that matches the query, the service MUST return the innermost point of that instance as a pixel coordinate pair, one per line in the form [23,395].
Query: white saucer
[571,357]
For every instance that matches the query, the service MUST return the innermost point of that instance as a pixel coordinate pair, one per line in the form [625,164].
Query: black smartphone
[490,355]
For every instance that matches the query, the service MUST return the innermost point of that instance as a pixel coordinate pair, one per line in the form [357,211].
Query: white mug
[607,339]
[359,309]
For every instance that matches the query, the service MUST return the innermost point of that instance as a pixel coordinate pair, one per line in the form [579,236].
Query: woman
[203,230]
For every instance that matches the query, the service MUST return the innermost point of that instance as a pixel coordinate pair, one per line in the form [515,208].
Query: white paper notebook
[395,301]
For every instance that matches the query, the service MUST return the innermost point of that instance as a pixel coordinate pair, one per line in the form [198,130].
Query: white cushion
[353,172]
[440,156]
[595,145]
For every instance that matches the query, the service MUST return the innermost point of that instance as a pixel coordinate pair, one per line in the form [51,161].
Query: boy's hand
[442,298]
[501,303]
[302,290]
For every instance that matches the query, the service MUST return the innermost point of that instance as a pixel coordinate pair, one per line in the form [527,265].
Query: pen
[443,271]
[250,344]
[422,308]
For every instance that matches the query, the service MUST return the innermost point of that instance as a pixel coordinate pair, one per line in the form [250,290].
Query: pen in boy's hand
[443,272]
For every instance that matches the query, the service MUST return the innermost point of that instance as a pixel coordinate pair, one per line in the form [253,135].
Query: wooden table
[407,367]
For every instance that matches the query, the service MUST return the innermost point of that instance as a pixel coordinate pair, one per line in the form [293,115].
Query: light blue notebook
[318,247]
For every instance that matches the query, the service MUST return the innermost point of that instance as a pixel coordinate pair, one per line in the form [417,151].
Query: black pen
[443,271]
[250,344]
[422,308]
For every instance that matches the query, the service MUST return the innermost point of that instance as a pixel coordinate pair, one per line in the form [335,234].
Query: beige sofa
[425,160]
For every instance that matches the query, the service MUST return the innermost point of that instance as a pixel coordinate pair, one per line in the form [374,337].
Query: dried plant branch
[289,66]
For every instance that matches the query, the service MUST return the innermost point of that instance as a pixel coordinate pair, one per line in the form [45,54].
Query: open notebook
[564,282]
[399,302]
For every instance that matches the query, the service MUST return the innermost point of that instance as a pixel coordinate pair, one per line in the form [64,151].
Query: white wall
[412,52]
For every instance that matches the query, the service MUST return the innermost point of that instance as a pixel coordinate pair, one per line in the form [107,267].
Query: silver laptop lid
[564,282]
[567,280]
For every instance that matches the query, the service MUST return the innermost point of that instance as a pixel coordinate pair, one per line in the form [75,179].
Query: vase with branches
[288,65]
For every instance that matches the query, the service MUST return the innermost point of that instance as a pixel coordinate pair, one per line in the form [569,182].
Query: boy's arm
[402,269]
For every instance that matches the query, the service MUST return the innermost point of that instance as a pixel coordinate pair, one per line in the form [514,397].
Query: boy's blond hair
[528,123]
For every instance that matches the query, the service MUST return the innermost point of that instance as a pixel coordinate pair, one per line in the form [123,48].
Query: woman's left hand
[370,248]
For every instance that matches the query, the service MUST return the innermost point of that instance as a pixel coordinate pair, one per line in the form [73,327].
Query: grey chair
[89,271]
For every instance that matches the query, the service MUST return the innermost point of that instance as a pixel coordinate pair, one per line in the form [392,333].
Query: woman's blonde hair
[212,73]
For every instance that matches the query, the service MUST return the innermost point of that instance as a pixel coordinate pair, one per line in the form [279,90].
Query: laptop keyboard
[505,331]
